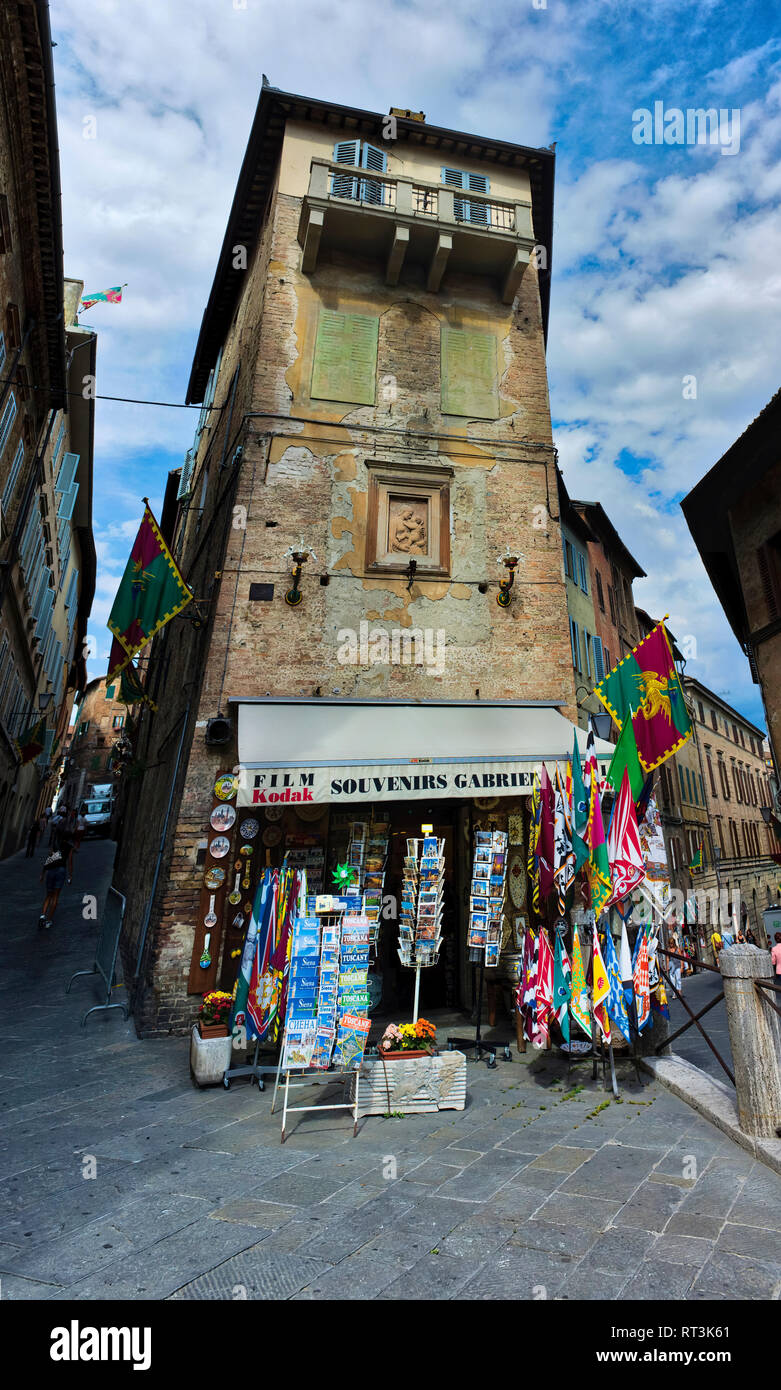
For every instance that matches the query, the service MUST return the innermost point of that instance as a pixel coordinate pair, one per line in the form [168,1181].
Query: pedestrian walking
[58,866]
[55,825]
[750,937]
[32,837]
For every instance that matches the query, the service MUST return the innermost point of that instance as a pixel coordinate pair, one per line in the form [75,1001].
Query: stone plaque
[469,373]
[408,526]
[345,360]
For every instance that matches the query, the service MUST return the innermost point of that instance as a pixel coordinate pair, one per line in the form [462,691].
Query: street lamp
[44,700]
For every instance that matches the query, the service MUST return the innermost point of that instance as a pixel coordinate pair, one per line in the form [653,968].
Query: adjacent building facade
[47,556]
[374,443]
[100,722]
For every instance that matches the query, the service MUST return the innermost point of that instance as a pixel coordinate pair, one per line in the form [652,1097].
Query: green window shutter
[186,478]
[465,209]
[583,575]
[66,473]
[469,373]
[346,185]
[345,360]
[68,502]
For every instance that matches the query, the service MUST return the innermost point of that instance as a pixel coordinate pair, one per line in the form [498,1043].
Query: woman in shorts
[57,867]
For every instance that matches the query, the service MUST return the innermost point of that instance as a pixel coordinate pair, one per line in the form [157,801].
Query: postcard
[482,856]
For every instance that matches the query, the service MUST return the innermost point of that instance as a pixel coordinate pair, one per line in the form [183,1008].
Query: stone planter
[209,1057]
[412,1085]
[404,1053]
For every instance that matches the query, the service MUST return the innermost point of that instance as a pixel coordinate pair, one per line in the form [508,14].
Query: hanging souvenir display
[223,817]
[486,897]
[226,786]
[420,918]
[214,878]
[248,828]
[326,1020]
[219,847]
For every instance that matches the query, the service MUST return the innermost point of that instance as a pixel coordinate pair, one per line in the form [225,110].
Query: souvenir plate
[226,787]
[272,835]
[222,817]
[272,812]
[249,828]
[214,878]
[219,847]
[310,813]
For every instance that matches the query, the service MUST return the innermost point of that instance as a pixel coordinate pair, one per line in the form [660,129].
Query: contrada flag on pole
[624,852]
[532,863]
[580,1004]
[562,987]
[31,743]
[625,759]
[563,858]
[545,843]
[645,688]
[640,981]
[112,296]
[616,1003]
[151,591]
[598,866]
[580,808]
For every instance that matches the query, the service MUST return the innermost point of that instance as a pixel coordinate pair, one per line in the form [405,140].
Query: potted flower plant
[214,1013]
[409,1040]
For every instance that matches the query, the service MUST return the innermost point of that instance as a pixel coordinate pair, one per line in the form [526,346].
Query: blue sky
[666,258]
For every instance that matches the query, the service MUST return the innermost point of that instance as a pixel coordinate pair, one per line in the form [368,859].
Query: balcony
[400,220]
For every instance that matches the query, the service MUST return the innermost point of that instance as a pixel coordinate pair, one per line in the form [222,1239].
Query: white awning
[341,750]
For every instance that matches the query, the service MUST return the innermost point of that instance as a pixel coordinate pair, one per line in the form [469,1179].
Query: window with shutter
[7,420]
[466,209]
[186,477]
[587,651]
[16,468]
[469,373]
[769,561]
[569,561]
[345,358]
[611,600]
[373,190]
[599,660]
[600,595]
[607,659]
[68,502]
[2,349]
[346,185]
[5,225]
[573,632]
[66,472]
[582,572]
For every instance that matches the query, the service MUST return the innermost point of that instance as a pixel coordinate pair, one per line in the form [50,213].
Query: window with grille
[466,209]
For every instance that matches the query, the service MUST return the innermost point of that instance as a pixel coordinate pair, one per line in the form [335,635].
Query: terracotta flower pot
[212,1030]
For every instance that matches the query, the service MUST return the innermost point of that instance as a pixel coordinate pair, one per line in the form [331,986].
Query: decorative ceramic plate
[226,786]
[272,812]
[213,879]
[222,818]
[219,847]
[249,828]
[486,803]
[272,835]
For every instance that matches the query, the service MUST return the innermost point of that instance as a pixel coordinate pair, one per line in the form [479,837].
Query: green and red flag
[644,688]
[151,592]
[598,866]
[131,689]
[580,808]
[32,742]
[625,759]
[696,859]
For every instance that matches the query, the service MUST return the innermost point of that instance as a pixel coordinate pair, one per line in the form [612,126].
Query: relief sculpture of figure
[409,533]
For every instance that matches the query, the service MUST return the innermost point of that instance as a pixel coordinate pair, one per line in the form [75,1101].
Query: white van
[97,816]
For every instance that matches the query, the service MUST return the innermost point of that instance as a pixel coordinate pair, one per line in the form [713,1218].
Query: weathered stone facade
[303,471]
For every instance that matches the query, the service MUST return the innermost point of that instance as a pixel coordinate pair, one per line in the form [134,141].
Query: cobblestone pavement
[533,1191]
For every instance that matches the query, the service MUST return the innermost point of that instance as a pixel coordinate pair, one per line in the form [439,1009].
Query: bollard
[755,1039]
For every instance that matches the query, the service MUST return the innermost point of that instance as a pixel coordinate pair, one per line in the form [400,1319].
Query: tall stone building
[374,443]
[587,657]
[100,722]
[744,848]
[734,515]
[47,555]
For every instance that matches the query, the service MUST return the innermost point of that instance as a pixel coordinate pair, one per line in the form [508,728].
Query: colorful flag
[580,1007]
[529,998]
[545,844]
[131,690]
[544,990]
[598,866]
[648,675]
[625,759]
[563,854]
[562,986]
[625,856]
[580,809]
[32,742]
[151,591]
[616,1002]
[625,968]
[532,865]
[258,925]
[600,986]
[112,296]
[640,981]
[696,860]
